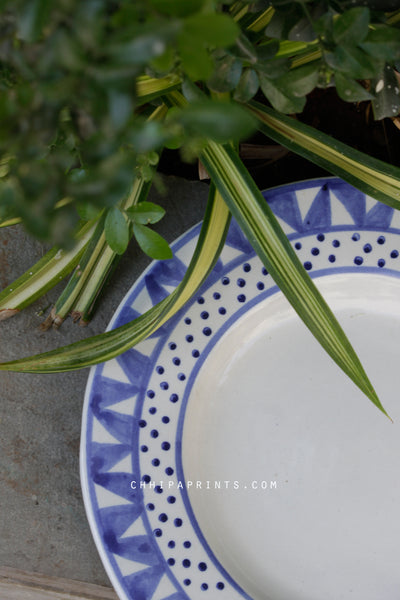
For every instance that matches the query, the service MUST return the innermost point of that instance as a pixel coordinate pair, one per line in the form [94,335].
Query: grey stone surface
[43,526]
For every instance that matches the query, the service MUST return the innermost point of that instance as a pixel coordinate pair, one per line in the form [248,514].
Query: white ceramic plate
[227,456]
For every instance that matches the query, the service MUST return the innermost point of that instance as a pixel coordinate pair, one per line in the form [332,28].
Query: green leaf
[262,229]
[32,19]
[213,29]
[226,75]
[221,121]
[268,50]
[383,42]
[374,177]
[191,91]
[106,346]
[247,86]
[148,88]
[283,20]
[301,81]
[196,61]
[116,230]
[280,99]
[387,98]
[88,211]
[302,31]
[44,275]
[146,42]
[244,49]
[353,62]
[351,27]
[350,90]
[274,68]
[151,242]
[177,8]
[146,213]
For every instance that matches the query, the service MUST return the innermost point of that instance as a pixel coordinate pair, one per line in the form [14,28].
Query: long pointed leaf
[271,244]
[374,177]
[108,345]
[44,275]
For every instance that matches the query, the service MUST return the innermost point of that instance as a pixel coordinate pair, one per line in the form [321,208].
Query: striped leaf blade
[372,176]
[261,227]
[107,345]
[44,275]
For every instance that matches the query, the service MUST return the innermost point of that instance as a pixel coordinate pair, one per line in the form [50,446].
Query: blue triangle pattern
[142,585]
[134,364]
[236,239]
[117,519]
[138,548]
[177,596]
[156,291]
[108,391]
[319,214]
[118,425]
[163,273]
[285,206]
[126,315]
[352,199]
[380,215]
[105,456]
[118,483]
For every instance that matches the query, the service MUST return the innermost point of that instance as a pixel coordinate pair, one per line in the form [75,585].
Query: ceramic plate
[227,456]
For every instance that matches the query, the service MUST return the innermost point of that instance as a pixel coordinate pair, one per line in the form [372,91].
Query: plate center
[293,471]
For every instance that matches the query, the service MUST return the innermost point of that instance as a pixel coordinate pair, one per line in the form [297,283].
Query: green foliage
[69,122]
[91,92]
[151,242]
[116,229]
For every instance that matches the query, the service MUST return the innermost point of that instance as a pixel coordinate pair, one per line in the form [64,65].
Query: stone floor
[43,526]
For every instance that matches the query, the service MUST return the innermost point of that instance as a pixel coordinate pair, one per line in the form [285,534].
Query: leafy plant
[91,92]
